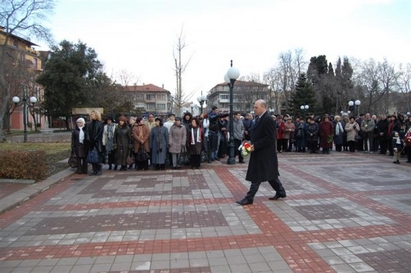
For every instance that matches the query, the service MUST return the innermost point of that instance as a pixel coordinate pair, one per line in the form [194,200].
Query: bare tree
[404,85]
[19,17]
[377,81]
[179,69]
[275,93]
[387,76]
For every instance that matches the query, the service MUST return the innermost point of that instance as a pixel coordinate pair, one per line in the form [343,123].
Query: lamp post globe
[304,108]
[192,108]
[230,77]
[33,100]
[350,103]
[201,99]
[15,99]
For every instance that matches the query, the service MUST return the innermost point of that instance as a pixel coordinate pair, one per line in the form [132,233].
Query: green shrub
[30,165]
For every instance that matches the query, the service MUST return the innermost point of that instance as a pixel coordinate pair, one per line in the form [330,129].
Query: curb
[32,190]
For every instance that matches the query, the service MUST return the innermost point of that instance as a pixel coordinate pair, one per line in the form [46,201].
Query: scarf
[197,134]
[338,129]
[81,134]
[398,141]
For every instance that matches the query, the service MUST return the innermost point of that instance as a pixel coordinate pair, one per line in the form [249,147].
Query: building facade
[23,64]
[149,98]
[244,96]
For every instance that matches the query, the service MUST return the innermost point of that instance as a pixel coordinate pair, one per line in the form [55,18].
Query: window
[161,96]
[139,97]
[150,97]
[161,106]
[224,97]
[151,106]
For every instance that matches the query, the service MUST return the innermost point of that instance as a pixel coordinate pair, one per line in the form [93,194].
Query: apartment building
[149,98]
[24,64]
[244,96]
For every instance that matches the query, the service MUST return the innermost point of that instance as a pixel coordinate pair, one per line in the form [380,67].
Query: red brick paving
[291,245]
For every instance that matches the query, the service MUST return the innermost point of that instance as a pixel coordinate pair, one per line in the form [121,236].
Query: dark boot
[109,166]
[94,169]
[99,167]
[115,167]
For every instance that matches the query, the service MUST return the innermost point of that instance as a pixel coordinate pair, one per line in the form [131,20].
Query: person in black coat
[94,136]
[79,145]
[263,163]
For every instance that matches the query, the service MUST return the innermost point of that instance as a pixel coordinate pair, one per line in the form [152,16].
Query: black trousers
[195,161]
[275,184]
[82,165]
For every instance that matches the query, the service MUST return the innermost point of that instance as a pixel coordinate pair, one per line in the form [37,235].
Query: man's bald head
[259,107]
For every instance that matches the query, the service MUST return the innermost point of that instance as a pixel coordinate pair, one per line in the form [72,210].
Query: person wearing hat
[141,135]
[177,141]
[108,141]
[158,144]
[79,145]
[122,137]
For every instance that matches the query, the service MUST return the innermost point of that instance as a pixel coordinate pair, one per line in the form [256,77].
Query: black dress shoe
[244,202]
[277,196]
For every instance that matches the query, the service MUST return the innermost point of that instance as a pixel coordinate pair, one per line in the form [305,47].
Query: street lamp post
[192,107]
[357,103]
[304,108]
[230,78]
[16,100]
[201,99]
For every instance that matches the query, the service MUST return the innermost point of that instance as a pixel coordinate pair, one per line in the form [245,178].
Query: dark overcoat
[79,149]
[94,137]
[326,130]
[263,163]
[122,139]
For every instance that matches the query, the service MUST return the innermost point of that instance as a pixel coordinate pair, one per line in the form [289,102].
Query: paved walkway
[344,213]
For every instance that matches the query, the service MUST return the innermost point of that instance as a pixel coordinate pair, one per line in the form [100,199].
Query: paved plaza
[344,213]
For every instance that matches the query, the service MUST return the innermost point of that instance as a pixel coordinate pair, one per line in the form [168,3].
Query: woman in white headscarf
[78,146]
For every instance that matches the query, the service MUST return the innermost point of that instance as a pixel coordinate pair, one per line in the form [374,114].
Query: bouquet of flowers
[245,148]
[330,139]
[407,138]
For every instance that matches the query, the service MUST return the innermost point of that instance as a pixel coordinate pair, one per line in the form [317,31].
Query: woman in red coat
[326,135]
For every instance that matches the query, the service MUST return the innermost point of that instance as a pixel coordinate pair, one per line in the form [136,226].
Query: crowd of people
[139,143]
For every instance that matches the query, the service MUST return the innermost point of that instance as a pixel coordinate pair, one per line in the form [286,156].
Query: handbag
[142,155]
[184,159]
[130,159]
[92,156]
[72,161]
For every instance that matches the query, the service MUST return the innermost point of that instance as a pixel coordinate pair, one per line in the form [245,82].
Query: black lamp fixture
[230,78]
[16,101]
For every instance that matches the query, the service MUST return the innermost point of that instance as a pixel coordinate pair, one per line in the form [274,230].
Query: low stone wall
[42,137]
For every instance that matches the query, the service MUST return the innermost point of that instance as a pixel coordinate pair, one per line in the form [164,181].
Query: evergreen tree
[70,76]
[304,95]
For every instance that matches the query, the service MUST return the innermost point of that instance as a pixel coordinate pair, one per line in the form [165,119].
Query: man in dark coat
[263,163]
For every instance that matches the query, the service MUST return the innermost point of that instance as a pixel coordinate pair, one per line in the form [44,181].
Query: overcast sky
[138,36]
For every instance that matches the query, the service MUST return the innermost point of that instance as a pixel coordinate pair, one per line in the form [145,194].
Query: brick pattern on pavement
[344,213]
